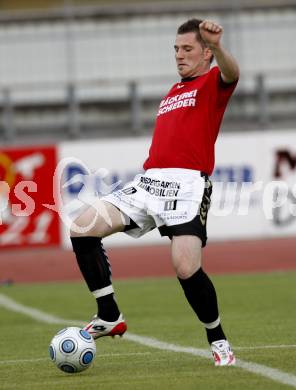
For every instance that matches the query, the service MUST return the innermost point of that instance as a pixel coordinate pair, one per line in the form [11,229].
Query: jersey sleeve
[224,90]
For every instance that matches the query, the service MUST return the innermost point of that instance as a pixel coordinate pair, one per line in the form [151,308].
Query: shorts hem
[179,230]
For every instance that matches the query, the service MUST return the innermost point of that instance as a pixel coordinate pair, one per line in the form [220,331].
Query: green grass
[257,310]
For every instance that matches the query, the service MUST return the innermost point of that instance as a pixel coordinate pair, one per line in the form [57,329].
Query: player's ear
[207,54]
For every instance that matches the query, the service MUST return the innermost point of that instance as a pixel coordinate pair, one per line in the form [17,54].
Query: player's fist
[210,32]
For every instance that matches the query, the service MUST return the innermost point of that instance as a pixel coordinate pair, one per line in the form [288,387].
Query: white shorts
[159,197]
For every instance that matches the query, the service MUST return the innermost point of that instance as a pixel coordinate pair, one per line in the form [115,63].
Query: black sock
[215,334]
[201,295]
[96,270]
[107,308]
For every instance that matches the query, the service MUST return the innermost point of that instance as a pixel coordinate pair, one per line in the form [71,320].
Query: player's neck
[194,75]
[201,72]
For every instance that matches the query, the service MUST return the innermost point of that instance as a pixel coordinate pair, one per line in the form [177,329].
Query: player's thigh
[99,220]
[186,255]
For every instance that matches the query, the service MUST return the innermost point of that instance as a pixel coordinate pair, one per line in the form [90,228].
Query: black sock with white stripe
[96,270]
[201,295]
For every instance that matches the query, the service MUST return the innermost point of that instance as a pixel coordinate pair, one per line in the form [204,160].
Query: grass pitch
[258,314]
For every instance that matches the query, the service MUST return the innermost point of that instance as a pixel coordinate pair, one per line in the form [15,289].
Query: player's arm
[211,33]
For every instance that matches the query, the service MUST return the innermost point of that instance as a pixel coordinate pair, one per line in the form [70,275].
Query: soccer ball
[72,349]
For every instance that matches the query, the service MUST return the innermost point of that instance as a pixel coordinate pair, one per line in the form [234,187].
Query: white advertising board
[251,169]
[117,161]
[264,207]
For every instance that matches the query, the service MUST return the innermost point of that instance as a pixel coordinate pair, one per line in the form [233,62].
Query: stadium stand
[64,71]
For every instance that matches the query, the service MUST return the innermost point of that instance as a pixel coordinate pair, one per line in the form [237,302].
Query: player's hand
[211,33]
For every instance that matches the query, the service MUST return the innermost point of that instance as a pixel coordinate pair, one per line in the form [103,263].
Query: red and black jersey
[188,123]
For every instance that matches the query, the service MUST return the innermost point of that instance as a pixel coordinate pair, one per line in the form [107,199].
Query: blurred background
[67,66]
[84,79]
[80,85]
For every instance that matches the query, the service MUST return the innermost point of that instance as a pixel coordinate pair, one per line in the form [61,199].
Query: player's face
[190,55]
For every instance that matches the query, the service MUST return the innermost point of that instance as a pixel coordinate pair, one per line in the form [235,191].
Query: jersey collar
[186,79]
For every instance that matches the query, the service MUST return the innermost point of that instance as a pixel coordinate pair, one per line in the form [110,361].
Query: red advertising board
[26,185]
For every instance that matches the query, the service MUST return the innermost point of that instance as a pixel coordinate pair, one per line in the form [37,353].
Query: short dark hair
[192,25]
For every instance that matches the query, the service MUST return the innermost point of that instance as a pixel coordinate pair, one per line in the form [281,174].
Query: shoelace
[224,352]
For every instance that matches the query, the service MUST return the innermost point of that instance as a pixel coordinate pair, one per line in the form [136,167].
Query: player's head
[193,57]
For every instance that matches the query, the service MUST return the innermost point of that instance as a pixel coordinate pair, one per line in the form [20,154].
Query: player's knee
[185,269]
[84,227]
[186,258]
[77,230]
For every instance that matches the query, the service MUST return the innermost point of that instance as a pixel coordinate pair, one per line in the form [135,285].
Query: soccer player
[173,194]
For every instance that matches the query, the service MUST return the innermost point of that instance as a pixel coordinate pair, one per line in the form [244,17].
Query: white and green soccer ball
[72,350]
